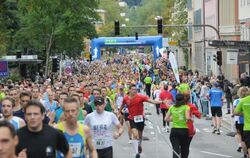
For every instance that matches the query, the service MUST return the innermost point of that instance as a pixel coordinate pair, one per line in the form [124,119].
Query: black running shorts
[139,126]
[216,111]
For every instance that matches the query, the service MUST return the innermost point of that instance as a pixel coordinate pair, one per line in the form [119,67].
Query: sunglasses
[98,102]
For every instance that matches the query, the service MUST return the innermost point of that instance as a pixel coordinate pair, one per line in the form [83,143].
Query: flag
[174,66]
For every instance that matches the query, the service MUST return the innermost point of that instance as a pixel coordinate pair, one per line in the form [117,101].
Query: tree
[8,25]
[180,16]
[112,13]
[139,15]
[59,25]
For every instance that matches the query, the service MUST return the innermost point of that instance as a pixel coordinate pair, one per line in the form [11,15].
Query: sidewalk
[227,119]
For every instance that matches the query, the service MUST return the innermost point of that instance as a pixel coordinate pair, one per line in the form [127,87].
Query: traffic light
[117,27]
[159,25]
[214,58]
[219,58]
[136,36]
[18,54]
[55,64]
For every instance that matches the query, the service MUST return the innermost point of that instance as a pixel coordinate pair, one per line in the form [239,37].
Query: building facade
[229,30]
[244,19]
[223,15]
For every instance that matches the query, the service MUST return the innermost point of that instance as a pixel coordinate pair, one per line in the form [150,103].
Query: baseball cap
[216,84]
[99,100]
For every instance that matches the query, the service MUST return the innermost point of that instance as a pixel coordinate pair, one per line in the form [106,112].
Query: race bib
[100,142]
[76,149]
[138,118]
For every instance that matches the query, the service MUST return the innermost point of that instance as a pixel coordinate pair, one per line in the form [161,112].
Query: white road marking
[159,130]
[210,153]
[208,130]
[152,133]
[151,127]
[197,130]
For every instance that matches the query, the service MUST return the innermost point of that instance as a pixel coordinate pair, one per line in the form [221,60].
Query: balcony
[229,30]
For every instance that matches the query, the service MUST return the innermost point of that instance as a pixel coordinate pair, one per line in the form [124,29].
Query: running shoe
[163,129]
[239,149]
[168,129]
[214,130]
[218,131]
[139,149]
[130,141]
[137,156]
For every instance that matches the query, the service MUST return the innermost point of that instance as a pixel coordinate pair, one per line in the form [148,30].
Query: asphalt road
[204,144]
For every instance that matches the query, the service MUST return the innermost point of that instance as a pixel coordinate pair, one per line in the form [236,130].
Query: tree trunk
[47,55]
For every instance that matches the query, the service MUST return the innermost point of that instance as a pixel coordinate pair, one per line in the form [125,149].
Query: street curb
[226,124]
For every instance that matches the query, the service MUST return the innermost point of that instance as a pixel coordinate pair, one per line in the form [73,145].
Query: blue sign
[97,43]
[4,69]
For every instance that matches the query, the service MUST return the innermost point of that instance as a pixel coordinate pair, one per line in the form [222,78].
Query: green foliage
[143,14]
[140,15]
[15,77]
[8,25]
[59,25]
[112,13]
[180,17]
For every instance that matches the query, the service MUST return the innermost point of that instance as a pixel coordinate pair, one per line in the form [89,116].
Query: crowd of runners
[80,115]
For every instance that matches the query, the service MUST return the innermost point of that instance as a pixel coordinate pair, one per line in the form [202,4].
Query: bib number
[138,118]
[76,149]
[100,142]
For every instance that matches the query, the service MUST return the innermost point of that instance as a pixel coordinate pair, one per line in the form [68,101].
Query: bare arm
[155,101]
[89,142]
[187,114]
[119,131]
[121,108]
[69,154]
[84,113]
[168,116]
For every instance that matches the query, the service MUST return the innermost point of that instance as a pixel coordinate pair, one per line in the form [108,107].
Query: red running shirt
[135,105]
[165,95]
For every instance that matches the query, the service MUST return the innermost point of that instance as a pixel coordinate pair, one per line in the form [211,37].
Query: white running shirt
[101,126]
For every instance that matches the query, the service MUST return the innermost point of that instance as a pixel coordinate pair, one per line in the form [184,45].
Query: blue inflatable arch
[98,43]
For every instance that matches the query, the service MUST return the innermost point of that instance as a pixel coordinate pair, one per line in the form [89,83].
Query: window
[189,4]
[197,20]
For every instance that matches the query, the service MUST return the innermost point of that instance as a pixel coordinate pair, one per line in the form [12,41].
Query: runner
[243,124]
[179,114]
[166,96]
[216,102]
[135,101]
[59,111]
[40,140]
[193,112]
[239,122]
[101,124]
[77,135]
[8,141]
[7,111]
[24,97]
